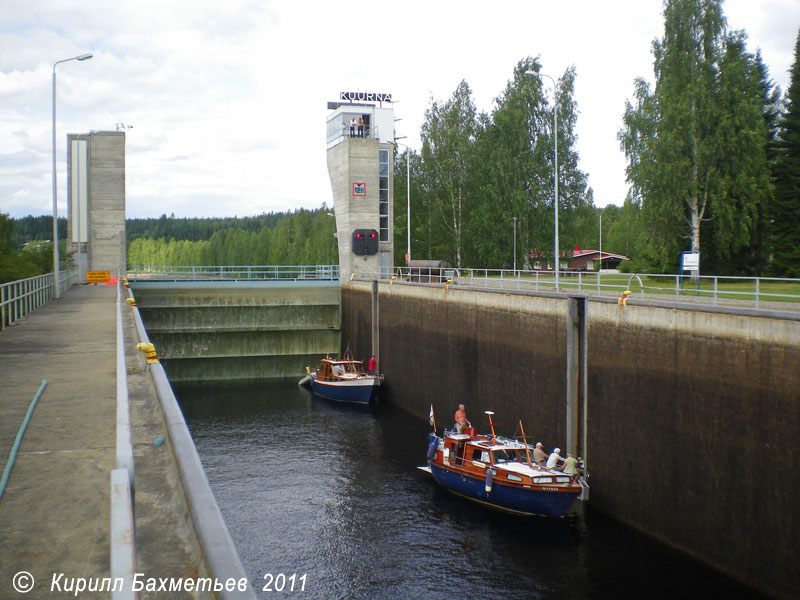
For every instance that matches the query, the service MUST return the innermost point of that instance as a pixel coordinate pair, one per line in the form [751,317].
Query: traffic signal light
[365,242]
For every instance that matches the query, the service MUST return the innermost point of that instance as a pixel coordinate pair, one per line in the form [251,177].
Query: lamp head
[86,56]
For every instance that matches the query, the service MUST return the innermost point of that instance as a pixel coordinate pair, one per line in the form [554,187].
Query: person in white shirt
[554,458]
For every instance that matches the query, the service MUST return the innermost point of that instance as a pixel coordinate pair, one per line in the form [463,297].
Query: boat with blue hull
[343,380]
[498,472]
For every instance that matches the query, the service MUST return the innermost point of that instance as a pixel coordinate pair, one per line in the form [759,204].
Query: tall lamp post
[408,199]
[56,261]
[515,246]
[555,169]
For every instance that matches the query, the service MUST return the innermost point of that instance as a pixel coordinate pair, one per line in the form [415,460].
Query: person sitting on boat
[461,418]
[554,458]
[539,455]
[570,466]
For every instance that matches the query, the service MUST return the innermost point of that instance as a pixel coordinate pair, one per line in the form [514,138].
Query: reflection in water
[331,490]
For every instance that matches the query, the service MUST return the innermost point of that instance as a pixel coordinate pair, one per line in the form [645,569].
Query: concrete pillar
[375,325]
[576,373]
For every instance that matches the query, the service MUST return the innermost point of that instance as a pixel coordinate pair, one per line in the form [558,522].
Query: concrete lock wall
[692,422]
[204,331]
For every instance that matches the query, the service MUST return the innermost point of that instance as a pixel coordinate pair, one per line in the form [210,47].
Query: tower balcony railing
[367,131]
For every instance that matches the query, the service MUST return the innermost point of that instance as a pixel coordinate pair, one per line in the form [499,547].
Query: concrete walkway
[54,514]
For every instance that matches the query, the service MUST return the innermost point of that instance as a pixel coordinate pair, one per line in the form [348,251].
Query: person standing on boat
[372,366]
[539,455]
[461,418]
[555,457]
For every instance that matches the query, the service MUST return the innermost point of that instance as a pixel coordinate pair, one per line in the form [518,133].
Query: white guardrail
[18,298]
[759,292]
[233,273]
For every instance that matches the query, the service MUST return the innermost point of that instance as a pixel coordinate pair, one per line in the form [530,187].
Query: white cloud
[228,100]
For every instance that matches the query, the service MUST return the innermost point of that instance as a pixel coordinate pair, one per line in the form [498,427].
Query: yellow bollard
[131,301]
[149,352]
[623,300]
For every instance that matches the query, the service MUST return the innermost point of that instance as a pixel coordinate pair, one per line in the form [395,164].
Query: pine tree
[786,240]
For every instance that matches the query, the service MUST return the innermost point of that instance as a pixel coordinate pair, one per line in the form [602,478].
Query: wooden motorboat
[343,380]
[498,472]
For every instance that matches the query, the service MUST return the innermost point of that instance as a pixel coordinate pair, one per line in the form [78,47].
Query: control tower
[96,201]
[360,143]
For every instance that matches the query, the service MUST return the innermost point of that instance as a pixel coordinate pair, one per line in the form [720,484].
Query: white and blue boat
[498,472]
[343,380]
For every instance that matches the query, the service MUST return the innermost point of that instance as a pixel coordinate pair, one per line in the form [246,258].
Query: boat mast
[491,425]
[525,441]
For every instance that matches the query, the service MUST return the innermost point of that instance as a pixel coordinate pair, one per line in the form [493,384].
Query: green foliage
[299,238]
[786,256]
[16,265]
[31,228]
[477,173]
[697,144]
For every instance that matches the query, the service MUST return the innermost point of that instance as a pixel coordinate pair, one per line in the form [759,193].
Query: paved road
[54,514]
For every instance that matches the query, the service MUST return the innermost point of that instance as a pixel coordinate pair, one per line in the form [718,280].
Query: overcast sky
[228,99]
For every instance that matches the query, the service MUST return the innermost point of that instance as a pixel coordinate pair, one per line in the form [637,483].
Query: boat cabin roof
[485,442]
[342,361]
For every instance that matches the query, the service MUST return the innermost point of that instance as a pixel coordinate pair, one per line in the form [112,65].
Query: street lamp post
[515,245]
[56,260]
[555,169]
[408,199]
[408,206]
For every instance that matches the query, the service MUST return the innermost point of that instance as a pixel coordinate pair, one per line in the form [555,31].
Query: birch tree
[448,134]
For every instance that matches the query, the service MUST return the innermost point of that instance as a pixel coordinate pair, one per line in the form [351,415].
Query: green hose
[13,456]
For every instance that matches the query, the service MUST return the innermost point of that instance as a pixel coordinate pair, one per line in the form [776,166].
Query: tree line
[713,151]
[301,237]
[713,155]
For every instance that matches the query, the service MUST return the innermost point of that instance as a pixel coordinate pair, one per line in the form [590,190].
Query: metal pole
[555,170]
[55,201]
[555,173]
[56,259]
[515,244]
[408,208]
[601,241]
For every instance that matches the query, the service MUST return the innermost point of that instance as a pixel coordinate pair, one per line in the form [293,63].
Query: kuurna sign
[365,97]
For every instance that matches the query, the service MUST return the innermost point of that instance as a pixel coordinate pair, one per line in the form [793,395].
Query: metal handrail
[18,298]
[233,273]
[717,289]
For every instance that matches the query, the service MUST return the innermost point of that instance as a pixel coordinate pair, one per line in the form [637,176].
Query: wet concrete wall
[216,331]
[693,420]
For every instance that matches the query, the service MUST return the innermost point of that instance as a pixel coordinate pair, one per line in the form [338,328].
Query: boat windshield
[507,455]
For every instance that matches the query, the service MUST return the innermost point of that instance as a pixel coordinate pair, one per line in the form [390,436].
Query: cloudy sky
[225,102]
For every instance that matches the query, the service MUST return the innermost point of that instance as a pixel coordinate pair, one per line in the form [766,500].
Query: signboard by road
[97,276]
